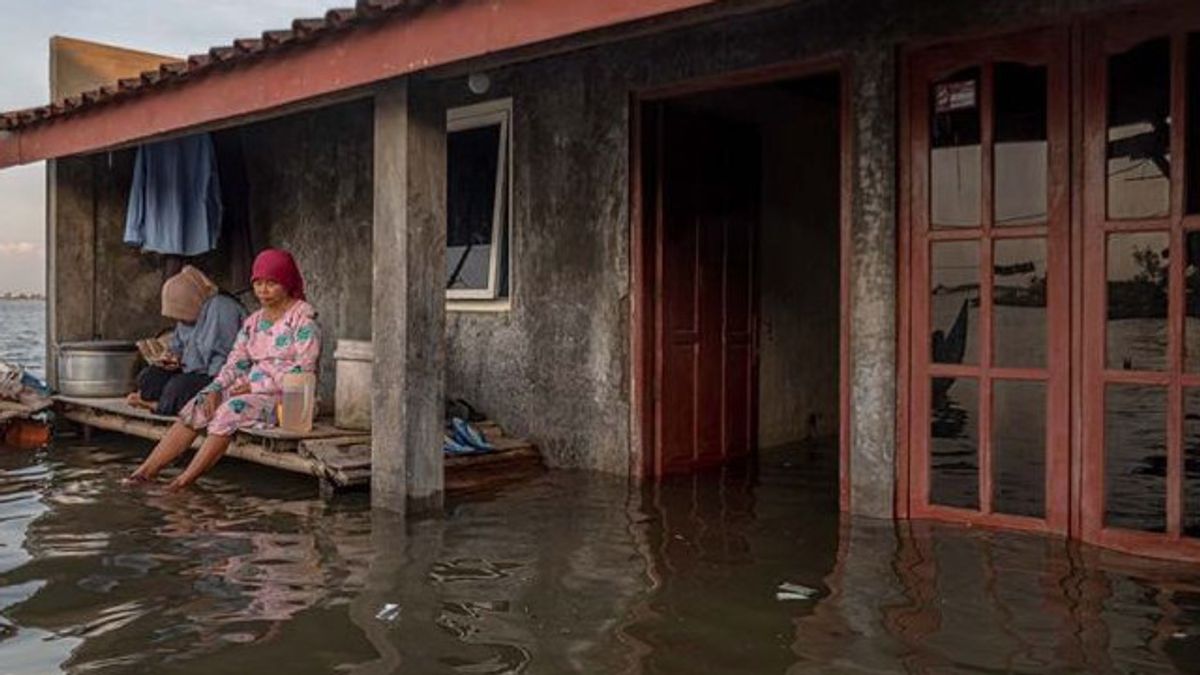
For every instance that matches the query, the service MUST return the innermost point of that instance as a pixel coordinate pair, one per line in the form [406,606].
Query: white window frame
[489,113]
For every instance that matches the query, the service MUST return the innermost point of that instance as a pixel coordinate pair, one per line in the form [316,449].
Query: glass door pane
[1139,131]
[1019,301]
[1019,448]
[954,428]
[1135,457]
[1021,161]
[1137,301]
[956,160]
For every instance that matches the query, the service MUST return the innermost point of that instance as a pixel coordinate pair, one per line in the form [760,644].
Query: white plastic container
[352,395]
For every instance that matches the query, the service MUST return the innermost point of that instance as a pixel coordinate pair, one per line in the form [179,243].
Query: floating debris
[789,591]
[389,612]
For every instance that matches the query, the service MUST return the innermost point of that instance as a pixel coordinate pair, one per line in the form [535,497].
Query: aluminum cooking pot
[97,369]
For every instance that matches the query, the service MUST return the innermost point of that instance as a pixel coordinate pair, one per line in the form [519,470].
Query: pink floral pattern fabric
[263,353]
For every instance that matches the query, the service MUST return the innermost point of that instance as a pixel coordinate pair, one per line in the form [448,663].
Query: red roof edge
[317,57]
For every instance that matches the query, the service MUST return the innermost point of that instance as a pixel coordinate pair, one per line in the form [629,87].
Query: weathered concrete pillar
[70,255]
[408,300]
[873,286]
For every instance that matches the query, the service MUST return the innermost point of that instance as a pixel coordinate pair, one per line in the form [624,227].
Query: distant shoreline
[28,297]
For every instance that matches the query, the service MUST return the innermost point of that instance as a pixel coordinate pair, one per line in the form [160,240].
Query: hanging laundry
[175,199]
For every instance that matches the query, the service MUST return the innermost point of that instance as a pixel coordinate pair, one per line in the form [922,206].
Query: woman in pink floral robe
[264,352]
[280,338]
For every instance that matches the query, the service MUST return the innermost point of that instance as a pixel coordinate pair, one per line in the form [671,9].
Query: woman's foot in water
[136,478]
[181,482]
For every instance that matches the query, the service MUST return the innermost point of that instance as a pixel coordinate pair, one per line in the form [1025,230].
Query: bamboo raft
[340,459]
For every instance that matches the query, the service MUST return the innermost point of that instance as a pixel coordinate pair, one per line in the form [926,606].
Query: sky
[175,27]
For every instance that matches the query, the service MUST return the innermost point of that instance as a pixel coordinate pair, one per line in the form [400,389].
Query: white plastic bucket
[352,395]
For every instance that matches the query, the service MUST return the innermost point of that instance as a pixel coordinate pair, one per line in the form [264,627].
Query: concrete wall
[311,193]
[799,281]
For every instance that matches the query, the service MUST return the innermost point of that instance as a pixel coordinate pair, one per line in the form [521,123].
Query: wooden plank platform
[340,458]
[11,410]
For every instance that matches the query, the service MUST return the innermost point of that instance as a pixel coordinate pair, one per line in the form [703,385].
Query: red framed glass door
[1141,332]
[990,317]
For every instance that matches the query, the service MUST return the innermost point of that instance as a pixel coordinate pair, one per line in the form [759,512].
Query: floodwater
[23,334]
[744,570]
[740,571]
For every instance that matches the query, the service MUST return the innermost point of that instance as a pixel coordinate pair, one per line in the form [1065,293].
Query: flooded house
[953,246]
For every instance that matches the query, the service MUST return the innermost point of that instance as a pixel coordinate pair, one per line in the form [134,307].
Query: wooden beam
[240,448]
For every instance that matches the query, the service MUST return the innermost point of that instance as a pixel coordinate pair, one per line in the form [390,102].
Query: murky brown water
[569,573]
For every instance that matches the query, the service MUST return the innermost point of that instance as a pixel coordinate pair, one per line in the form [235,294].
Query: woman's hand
[170,361]
[211,401]
[239,389]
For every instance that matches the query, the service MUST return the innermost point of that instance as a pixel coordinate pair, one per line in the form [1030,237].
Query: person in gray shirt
[207,325]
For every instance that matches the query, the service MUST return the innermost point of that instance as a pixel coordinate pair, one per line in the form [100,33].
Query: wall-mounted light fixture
[479,83]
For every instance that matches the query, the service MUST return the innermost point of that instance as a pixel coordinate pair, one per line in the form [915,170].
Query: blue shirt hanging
[175,199]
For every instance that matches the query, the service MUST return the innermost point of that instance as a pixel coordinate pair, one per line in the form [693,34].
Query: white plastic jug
[299,399]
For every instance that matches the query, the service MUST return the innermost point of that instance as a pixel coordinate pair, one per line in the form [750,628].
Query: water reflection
[955,159]
[1135,457]
[1136,298]
[569,573]
[1139,131]
[954,443]
[1022,144]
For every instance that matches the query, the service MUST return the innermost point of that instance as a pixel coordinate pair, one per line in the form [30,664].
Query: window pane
[1137,301]
[1019,303]
[1191,180]
[954,443]
[1135,457]
[1019,448]
[1191,462]
[472,162]
[954,280]
[1139,131]
[1191,302]
[1021,144]
[955,159]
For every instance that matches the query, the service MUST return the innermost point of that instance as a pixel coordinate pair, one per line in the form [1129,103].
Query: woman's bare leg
[208,455]
[178,439]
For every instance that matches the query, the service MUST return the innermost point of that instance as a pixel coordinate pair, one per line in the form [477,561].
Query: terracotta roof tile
[341,15]
[272,38]
[198,61]
[307,26]
[222,53]
[248,45]
[302,30]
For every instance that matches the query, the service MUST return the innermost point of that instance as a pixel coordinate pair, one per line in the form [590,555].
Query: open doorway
[741,198]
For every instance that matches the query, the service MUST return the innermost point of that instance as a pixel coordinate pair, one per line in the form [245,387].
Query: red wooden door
[705,304]
[1141,283]
[988,129]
